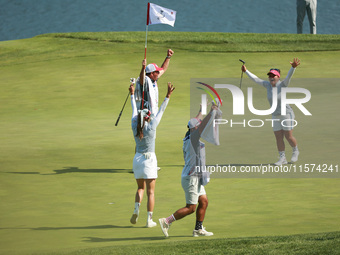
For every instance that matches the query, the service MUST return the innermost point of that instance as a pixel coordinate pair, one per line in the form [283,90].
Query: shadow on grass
[73,169]
[68,170]
[85,227]
[98,239]
[75,228]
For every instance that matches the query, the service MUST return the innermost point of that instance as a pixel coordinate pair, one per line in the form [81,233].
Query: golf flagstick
[146,45]
[146,29]
[241,72]
[157,15]
[132,80]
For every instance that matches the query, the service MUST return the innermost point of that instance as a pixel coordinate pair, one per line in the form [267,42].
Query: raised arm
[166,62]
[294,64]
[133,101]
[142,72]
[205,121]
[154,123]
[252,76]
[199,114]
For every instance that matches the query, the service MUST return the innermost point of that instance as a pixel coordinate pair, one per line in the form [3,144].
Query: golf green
[65,168]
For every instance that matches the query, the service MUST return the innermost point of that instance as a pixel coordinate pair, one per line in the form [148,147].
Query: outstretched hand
[214,106]
[132,89]
[295,62]
[171,89]
[244,68]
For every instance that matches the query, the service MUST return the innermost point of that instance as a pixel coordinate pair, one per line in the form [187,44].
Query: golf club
[132,80]
[241,72]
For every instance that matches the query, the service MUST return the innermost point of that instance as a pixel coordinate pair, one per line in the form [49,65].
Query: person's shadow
[67,170]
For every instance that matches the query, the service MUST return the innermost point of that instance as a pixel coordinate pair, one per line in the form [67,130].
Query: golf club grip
[120,114]
[241,79]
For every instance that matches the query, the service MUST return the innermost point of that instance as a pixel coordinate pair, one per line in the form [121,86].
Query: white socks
[149,223]
[150,216]
[136,211]
[282,154]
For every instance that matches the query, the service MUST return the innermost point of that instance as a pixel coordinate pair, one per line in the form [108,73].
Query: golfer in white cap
[146,85]
[144,126]
[193,176]
[286,130]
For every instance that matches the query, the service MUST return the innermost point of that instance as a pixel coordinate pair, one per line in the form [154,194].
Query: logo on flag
[160,15]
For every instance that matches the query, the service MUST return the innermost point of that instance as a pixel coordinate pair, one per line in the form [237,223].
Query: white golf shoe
[201,232]
[151,224]
[134,218]
[282,161]
[164,226]
[295,156]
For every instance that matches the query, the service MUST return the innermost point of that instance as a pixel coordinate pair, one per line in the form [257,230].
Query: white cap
[145,113]
[152,68]
[194,122]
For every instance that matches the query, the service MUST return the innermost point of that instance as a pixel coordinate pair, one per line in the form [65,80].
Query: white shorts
[193,189]
[284,122]
[145,168]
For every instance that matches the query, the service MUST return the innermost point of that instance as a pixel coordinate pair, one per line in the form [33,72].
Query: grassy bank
[218,42]
[65,169]
[48,46]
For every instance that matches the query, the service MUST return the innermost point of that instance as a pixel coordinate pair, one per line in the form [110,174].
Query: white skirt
[143,167]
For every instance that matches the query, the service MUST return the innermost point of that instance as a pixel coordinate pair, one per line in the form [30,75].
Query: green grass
[323,243]
[65,181]
[218,42]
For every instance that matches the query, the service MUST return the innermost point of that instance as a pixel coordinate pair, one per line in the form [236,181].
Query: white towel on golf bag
[211,133]
[205,175]
[152,95]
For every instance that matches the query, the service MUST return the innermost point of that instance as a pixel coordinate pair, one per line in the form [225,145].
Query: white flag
[160,15]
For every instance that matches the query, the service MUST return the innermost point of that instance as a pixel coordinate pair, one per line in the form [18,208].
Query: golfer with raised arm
[144,126]
[280,131]
[146,85]
[194,174]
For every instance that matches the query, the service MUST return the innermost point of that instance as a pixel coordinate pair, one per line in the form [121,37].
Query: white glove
[147,155]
